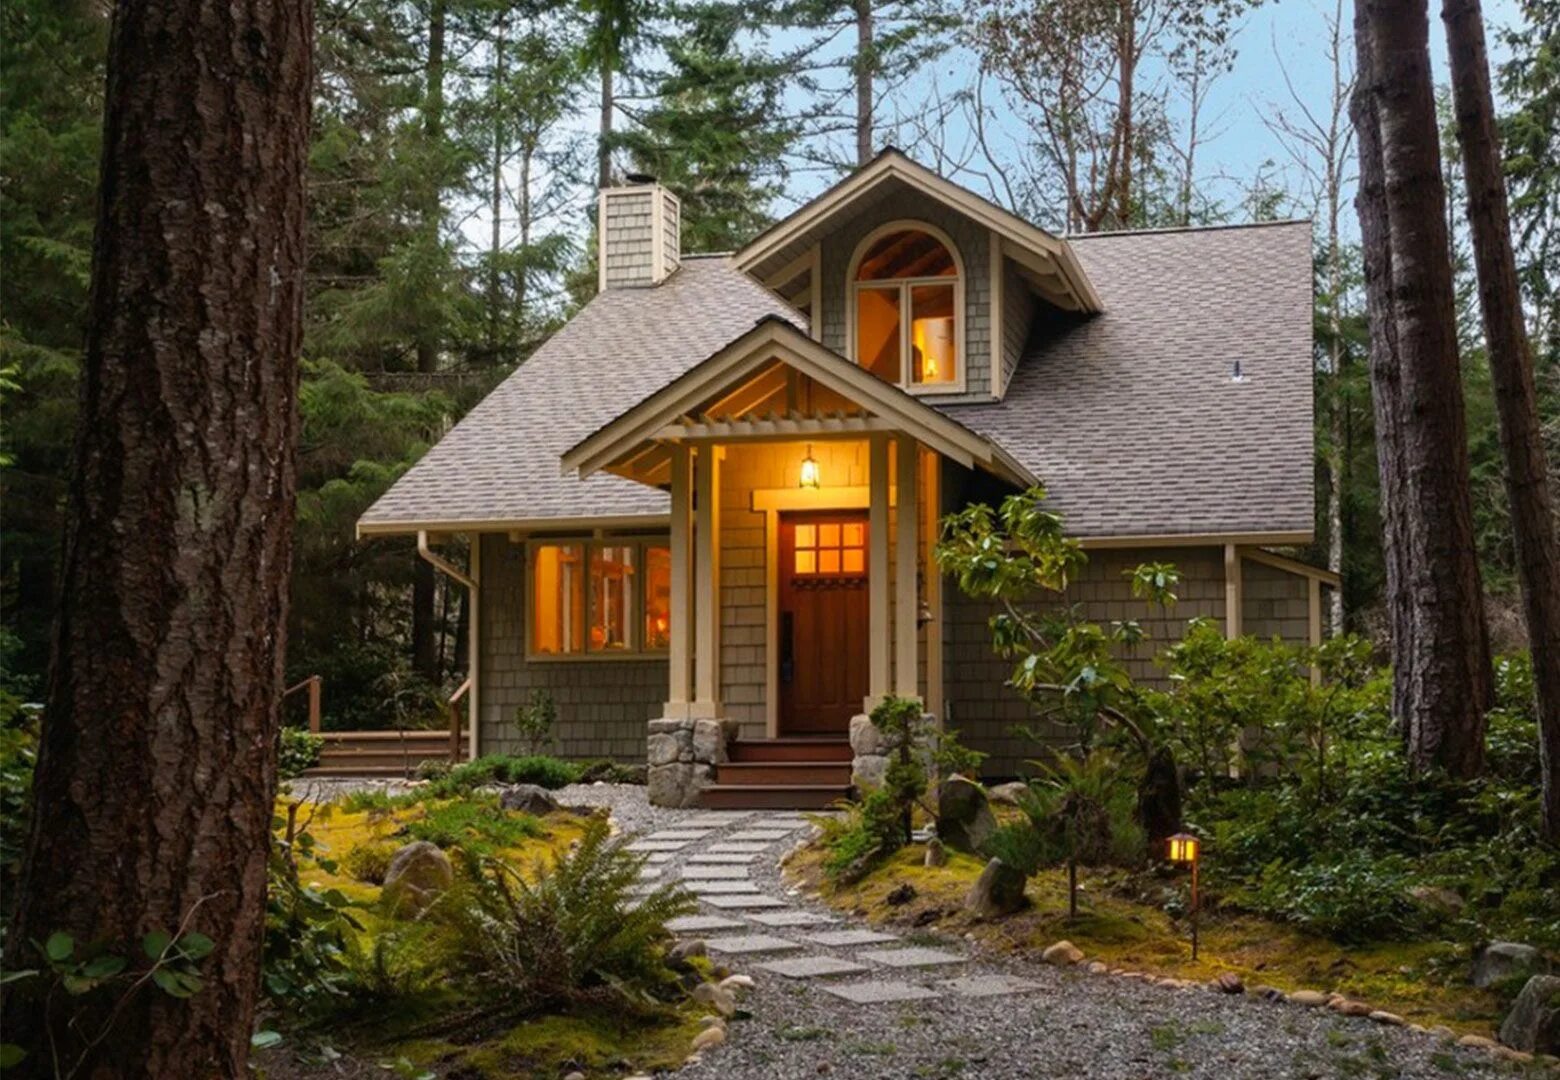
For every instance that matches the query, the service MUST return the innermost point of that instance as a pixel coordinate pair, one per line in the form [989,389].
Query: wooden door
[823,621]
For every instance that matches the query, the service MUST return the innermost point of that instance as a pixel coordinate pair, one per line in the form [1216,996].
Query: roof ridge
[1222,227]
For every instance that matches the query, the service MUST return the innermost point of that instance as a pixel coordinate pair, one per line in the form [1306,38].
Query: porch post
[934,595]
[679,649]
[878,628]
[906,607]
[706,648]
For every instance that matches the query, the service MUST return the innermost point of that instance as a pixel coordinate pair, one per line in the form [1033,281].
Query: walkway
[836,997]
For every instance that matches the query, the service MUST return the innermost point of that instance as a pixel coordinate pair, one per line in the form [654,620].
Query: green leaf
[171,983]
[104,967]
[264,1040]
[59,947]
[76,985]
[11,1055]
[196,945]
[156,943]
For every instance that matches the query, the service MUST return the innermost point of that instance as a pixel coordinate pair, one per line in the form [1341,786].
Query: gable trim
[894,164]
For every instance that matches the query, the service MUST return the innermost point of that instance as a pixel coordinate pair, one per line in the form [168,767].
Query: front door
[823,621]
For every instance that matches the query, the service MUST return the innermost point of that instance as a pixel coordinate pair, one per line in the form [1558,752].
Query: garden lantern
[810,476]
[1184,850]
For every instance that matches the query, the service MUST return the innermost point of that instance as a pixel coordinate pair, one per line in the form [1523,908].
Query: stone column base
[683,753]
[872,751]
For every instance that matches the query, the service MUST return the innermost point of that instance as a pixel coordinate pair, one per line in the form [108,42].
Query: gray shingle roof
[1131,418]
[500,464]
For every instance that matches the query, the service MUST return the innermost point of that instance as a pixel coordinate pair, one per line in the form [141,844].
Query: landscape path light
[1184,851]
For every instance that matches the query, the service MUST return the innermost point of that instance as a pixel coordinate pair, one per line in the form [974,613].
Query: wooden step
[784,773]
[323,770]
[386,761]
[336,738]
[771,796]
[790,749]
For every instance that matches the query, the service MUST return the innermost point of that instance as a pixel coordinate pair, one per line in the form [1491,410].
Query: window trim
[636,652]
[958,281]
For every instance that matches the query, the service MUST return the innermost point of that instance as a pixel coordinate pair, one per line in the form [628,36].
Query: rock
[868,771]
[1062,954]
[671,785]
[1441,1031]
[710,1036]
[900,895]
[1269,993]
[722,1001]
[926,917]
[576,1075]
[684,951]
[709,741]
[998,891]
[1230,983]
[865,738]
[1478,1042]
[1008,793]
[1533,1024]
[936,854]
[662,749]
[1096,967]
[1311,999]
[528,799]
[964,818]
[712,1021]
[1501,960]
[737,982]
[1350,1007]
[418,874]
[1381,1016]
[1436,899]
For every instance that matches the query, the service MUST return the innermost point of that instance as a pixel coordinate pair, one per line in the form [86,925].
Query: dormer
[922,282]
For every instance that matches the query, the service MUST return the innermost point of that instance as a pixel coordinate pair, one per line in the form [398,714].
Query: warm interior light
[810,476]
[1183,848]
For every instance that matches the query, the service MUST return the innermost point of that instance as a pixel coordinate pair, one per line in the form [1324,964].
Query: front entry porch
[804,499]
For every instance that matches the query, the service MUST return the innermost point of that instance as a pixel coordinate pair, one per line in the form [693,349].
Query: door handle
[787,647]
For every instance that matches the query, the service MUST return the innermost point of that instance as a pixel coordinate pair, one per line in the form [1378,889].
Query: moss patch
[593,1042]
[1423,981]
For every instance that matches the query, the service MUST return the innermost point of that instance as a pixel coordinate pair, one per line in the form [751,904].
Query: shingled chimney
[639,234]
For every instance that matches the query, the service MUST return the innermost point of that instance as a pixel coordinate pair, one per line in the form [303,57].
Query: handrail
[313,682]
[459,693]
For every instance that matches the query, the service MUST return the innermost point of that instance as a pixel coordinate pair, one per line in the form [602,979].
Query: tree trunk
[1511,370]
[1442,680]
[433,131]
[866,64]
[425,646]
[157,767]
[496,196]
[604,145]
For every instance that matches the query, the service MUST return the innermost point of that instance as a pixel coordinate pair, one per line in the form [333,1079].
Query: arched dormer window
[907,307]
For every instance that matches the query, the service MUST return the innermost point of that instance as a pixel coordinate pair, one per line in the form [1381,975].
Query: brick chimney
[639,234]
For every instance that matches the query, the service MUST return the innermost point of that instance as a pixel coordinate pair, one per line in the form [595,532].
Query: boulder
[710,1036]
[868,771]
[1062,954]
[528,799]
[677,784]
[1533,1025]
[1437,899]
[865,738]
[662,748]
[1503,959]
[936,854]
[964,818]
[1009,793]
[1269,993]
[1230,983]
[722,1001]
[900,895]
[418,874]
[709,741]
[679,954]
[1391,1019]
[998,891]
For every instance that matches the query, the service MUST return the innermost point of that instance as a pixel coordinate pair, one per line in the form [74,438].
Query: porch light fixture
[1184,850]
[810,475]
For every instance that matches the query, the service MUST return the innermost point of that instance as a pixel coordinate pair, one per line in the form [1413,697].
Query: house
[701,515]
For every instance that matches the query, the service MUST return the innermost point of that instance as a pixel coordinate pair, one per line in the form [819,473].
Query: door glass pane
[854,534]
[658,598]
[828,535]
[558,600]
[806,536]
[932,358]
[877,332]
[611,597]
[806,561]
[829,560]
[855,561]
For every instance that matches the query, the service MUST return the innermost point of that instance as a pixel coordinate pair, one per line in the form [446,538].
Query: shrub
[378,801]
[862,836]
[300,750]
[571,933]
[534,721]
[18,755]
[1352,896]
[547,772]
[478,825]
[369,863]
[307,930]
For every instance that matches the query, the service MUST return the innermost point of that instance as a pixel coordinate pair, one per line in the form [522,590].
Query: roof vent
[638,234]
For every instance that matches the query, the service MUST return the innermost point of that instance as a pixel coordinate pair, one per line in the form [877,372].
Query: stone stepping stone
[720,858]
[731,901]
[838,938]
[658,845]
[698,924]
[814,967]
[656,858]
[876,992]
[649,873]
[792,918]
[680,834]
[715,873]
[751,943]
[915,956]
[990,985]
[768,835]
[746,848]
[710,888]
[714,821]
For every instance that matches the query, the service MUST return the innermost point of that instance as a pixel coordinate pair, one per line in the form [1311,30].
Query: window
[908,272]
[587,597]
[835,548]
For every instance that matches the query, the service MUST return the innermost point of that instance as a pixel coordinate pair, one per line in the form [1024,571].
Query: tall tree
[1442,682]
[1511,369]
[157,764]
[616,27]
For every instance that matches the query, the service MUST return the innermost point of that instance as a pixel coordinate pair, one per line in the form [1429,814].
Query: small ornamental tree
[1069,668]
